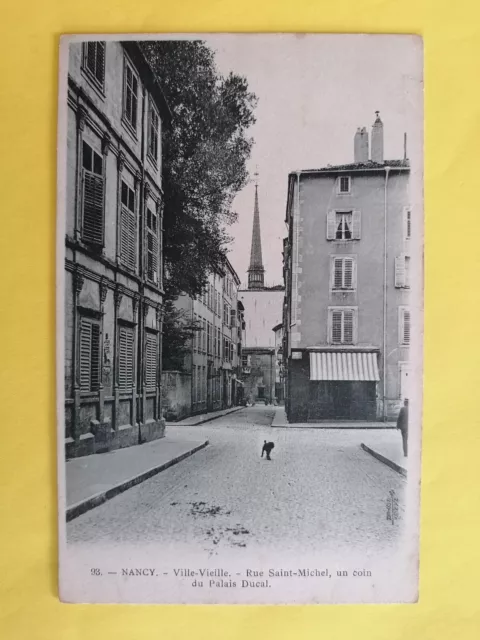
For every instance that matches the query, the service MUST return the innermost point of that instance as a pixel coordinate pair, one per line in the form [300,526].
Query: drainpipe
[385,275]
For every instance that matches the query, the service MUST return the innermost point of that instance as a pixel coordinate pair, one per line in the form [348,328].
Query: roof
[359,166]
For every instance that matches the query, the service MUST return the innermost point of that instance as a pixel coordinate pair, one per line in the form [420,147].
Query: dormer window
[344,184]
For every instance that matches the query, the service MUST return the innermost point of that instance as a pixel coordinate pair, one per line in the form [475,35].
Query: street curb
[195,424]
[315,426]
[95,501]
[393,465]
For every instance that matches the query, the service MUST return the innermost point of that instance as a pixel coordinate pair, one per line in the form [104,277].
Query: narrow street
[320,491]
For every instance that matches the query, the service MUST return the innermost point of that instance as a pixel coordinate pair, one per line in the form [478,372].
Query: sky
[313,93]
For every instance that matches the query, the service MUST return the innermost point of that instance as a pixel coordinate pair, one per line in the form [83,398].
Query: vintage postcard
[240,318]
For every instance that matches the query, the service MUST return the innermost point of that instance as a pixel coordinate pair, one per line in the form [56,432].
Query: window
[151,351]
[152,246]
[130,104]
[125,357]
[342,326]
[93,198]
[94,61]
[231,351]
[128,228]
[204,336]
[402,272]
[209,338]
[226,314]
[233,318]
[153,131]
[219,343]
[89,354]
[407,223]
[344,184]
[343,274]
[404,326]
[343,225]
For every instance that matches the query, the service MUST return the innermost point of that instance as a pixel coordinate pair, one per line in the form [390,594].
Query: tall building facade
[263,310]
[347,275]
[216,349]
[113,248]
[210,379]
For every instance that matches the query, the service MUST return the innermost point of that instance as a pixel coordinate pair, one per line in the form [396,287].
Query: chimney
[377,139]
[360,145]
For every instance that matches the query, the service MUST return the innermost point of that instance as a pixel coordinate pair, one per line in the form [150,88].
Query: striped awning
[351,366]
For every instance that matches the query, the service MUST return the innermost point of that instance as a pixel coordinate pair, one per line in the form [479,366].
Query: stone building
[279,368]
[263,310]
[113,248]
[210,379]
[347,274]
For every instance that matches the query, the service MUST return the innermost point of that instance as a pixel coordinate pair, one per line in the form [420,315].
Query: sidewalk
[192,421]
[387,448]
[280,421]
[92,480]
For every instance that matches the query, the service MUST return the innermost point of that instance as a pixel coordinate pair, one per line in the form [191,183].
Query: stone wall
[176,394]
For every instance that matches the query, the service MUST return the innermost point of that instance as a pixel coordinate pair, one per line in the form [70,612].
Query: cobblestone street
[320,492]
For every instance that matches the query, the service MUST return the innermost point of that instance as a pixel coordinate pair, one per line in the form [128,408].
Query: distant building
[113,248]
[347,274]
[263,310]
[210,379]
[279,368]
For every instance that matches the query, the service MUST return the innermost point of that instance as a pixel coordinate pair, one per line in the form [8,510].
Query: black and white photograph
[240,318]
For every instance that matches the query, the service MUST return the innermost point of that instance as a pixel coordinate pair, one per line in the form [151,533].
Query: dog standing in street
[267,448]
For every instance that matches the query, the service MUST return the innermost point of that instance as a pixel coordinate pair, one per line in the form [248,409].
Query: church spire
[256,271]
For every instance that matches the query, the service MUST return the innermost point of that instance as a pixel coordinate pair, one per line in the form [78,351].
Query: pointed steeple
[256,271]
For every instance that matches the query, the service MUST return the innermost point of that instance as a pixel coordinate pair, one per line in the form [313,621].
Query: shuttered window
[402,271]
[151,350]
[407,223]
[343,225]
[126,341]
[343,274]
[342,326]
[153,132]
[128,228]
[93,196]
[404,326]
[152,247]
[89,354]
[344,184]
[94,61]
[130,106]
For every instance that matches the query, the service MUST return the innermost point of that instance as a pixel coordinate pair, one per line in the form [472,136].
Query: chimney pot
[377,139]
[360,145]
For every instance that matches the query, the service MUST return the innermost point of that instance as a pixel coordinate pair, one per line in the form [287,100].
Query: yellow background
[450,540]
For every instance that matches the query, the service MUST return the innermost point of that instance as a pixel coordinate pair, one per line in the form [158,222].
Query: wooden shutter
[348,327]
[348,273]
[152,257]
[89,355]
[151,360]
[406,327]
[356,225]
[100,62]
[407,223]
[336,327]
[125,357]
[92,208]
[85,349]
[331,225]
[128,238]
[337,273]
[233,319]
[400,271]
